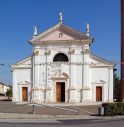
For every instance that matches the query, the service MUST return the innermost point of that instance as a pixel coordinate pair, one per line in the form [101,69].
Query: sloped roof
[97,58]
[1,83]
[21,62]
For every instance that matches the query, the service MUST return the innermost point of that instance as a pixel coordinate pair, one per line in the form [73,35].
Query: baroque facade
[62,69]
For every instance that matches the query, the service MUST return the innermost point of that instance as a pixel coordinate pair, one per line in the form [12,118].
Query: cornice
[104,66]
[60,43]
[22,68]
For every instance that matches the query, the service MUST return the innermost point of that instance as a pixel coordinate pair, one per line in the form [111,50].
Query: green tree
[9,93]
[116,87]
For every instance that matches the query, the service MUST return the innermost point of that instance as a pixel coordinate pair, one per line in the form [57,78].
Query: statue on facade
[87,30]
[35,31]
[60,17]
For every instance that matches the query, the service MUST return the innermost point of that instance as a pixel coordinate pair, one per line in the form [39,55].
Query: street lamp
[122,52]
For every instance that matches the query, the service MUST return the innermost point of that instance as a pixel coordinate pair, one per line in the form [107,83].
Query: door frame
[24,84]
[94,85]
[26,92]
[99,85]
[100,94]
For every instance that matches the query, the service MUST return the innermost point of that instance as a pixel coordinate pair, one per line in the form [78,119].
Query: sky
[17,18]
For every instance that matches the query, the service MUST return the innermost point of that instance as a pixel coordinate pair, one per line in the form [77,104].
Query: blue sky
[17,18]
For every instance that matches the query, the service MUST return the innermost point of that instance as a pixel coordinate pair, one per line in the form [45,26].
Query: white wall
[21,77]
[102,76]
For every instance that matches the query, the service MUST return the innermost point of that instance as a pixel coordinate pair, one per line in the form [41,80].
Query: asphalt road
[62,123]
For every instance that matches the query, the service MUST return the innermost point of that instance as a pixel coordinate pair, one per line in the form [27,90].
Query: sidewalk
[54,117]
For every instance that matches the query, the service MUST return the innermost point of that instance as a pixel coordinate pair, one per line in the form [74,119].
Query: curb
[55,117]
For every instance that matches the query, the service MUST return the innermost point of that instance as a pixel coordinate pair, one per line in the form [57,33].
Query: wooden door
[24,94]
[58,92]
[99,93]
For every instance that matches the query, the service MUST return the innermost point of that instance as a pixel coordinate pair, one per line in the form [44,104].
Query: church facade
[62,69]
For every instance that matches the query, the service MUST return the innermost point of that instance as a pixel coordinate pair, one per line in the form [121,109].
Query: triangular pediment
[60,32]
[99,82]
[59,35]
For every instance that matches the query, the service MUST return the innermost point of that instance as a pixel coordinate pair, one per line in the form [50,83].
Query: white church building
[62,68]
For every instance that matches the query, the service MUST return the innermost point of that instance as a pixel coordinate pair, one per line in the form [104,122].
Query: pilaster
[110,84]
[36,69]
[14,86]
[85,70]
[72,94]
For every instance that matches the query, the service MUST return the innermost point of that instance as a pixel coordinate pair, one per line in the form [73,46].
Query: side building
[3,88]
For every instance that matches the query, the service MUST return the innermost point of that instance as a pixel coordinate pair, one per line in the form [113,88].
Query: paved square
[10,107]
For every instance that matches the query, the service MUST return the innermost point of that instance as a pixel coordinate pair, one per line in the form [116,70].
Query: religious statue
[60,17]
[87,29]
[35,31]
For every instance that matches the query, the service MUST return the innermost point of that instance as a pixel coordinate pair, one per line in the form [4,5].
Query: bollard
[33,107]
[101,111]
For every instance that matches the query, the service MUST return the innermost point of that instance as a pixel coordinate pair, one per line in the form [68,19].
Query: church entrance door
[24,94]
[60,92]
[99,93]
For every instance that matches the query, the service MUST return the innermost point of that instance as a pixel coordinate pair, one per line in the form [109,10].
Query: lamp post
[122,52]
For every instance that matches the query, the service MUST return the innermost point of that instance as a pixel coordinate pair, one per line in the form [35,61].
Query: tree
[9,93]
[116,87]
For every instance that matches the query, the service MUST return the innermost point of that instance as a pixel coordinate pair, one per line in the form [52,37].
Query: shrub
[112,109]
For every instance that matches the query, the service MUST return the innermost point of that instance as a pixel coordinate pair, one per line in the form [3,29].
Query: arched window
[60,57]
